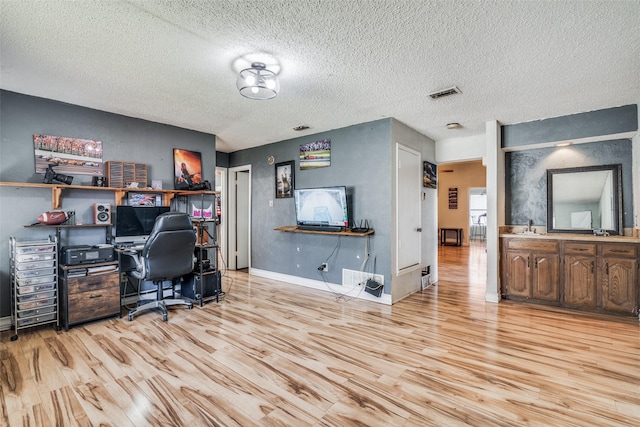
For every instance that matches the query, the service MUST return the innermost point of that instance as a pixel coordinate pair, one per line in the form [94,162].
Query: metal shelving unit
[204,284]
[34,280]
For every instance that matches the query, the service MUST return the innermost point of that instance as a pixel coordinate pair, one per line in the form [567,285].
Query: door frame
[222,237]
[233,214]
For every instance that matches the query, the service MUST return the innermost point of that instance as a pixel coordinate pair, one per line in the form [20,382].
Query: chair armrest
[131,263]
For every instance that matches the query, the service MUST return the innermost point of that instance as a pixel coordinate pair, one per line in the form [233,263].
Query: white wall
[495,208]
[407,283]
[461,149]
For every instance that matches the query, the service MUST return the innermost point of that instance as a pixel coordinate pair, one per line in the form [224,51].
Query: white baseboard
[351,292]
[492,297]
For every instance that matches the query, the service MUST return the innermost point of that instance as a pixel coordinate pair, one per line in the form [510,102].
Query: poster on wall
[453,198]
[315,154]
[429,172]
[66,155]
[187,168]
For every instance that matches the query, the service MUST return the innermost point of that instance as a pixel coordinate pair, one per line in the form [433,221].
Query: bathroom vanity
[586,272]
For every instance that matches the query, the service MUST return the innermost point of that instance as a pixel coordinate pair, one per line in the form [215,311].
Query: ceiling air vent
[301,127]
[444,92]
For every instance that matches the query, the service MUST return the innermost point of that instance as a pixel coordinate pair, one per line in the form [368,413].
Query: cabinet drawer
[91,305]
[533,245]
[574,248]
[93,283]
[619,250]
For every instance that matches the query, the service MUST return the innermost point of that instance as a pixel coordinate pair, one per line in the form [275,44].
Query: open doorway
[477,215]
[240,218]
[467,212]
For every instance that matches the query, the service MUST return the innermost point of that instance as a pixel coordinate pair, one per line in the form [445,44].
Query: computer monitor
[133,224]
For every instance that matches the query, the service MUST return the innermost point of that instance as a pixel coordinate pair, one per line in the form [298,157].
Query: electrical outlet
[324,267]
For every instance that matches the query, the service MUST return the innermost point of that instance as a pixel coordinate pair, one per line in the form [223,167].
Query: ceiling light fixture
[257,82]
[454,125]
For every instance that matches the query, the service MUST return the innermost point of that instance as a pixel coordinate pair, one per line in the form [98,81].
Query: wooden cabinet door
[579,281]
[619,280]
[518,274]
[545,281]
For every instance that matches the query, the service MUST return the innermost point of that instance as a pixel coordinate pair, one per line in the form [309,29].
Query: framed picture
[284,179]
[67,155]
[453,198]
[144,199]
[315,154]
[187,168]
[429,175]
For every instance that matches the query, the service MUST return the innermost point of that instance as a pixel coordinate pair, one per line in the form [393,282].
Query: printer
[85,254]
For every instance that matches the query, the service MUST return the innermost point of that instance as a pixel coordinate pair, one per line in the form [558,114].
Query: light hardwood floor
[274,354]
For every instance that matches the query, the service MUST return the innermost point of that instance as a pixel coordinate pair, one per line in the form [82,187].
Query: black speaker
[101,213]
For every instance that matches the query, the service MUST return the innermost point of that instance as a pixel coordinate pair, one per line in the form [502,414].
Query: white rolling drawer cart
[34,279]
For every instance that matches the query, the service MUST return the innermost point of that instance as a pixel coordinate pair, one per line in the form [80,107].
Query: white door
[239,217]
[408,215]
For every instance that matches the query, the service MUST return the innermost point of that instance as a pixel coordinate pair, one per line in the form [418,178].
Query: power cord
[342,297]
[223,274]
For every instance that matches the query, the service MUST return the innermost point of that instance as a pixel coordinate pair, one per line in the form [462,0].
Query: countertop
[568,236]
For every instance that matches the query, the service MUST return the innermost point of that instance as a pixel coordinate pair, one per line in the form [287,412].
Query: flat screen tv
[134,223]
[321,207]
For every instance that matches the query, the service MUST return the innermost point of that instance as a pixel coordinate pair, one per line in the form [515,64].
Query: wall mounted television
[324,207]
[133,224]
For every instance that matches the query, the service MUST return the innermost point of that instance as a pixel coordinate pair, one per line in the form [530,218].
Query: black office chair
[167,255]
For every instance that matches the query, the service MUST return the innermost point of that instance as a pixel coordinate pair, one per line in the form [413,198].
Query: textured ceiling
[342,62]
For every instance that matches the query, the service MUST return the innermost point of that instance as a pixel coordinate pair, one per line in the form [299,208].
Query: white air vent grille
[444,92]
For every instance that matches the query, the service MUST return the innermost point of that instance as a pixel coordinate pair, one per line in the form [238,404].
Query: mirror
[581,200]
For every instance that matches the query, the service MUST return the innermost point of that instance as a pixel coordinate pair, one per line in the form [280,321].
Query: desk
[457,233]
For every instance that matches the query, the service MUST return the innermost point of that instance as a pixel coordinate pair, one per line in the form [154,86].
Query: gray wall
[526,187]
[608,121]
[123,138]
[360,160]
[525,170]
[222,159]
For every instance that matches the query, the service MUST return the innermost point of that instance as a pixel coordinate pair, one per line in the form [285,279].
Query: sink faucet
[530,224]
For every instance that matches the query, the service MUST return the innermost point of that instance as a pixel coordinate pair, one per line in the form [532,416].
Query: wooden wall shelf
[119,193]
[294,229]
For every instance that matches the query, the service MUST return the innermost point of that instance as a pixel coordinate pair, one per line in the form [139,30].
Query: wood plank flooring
[273,354]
